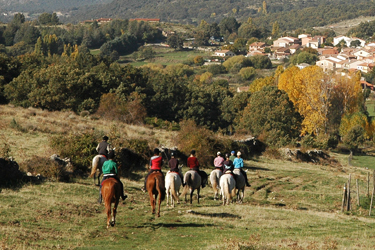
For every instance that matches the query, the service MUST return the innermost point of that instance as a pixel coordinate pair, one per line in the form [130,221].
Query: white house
[224,53]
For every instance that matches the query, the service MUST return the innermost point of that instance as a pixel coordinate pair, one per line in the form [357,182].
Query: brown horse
[155,186]
[111,192]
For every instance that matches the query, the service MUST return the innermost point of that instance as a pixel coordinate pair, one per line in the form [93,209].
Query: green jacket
[109,167]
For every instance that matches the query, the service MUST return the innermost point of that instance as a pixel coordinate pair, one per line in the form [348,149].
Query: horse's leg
[159,203]
[191,195]
[167,191]
[198,194]
[115,211]
[108,210]
[152,202]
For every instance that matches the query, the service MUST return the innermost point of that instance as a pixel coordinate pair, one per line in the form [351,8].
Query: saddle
[230,174]
[105,156]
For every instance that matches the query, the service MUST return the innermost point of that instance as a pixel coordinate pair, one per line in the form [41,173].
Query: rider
[218,162]
[156,162]
[238,164]
[228,165]
[193,164]
[173,165]
[103,147]
[232,156]
[110,171]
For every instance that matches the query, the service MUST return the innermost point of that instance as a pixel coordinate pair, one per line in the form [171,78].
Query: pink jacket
[218,162]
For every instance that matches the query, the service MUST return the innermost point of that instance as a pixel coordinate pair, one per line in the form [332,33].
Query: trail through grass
[289,206]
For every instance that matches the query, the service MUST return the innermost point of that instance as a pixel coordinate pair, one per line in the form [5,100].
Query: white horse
[97,163]
[214,179]
[240,185]
[172,186]
[192,181]
[228,185]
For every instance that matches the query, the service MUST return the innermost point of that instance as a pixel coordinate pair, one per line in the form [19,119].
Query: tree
[355,43]
[247,73]
[304,57]
[175,41]
[354,138]
[259,83]
[271,115]
[261,62]
[275,29]
[264,7]
[310,89]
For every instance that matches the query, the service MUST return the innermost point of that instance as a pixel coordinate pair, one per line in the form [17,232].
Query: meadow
[290,205]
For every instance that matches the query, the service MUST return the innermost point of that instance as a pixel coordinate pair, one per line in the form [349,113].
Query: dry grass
[36,126]
[289,205]
[341,28]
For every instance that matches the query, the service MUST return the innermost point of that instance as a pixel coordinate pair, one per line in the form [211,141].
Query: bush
[247,73]
[80,148]
[47,168]
[192,137]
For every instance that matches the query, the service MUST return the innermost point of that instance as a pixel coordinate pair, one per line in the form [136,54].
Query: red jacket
[192,162]
[156,162]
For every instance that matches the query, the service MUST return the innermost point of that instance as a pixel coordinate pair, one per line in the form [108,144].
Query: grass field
[165,56]
[290,205]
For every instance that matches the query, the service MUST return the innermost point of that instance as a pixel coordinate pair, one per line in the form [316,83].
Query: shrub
[192,137]
[47,168]
[247,73]
[80,148]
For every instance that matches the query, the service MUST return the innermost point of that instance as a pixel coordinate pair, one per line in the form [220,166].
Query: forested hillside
[45,5]
[289,14]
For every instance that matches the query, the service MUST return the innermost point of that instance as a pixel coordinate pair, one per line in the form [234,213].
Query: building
[224,53]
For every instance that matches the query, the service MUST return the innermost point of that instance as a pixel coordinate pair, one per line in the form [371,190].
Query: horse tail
[95,164]
[160,190]
[225,189]
[188,183]
[173,189]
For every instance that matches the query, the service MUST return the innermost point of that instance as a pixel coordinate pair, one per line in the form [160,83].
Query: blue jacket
[238,163]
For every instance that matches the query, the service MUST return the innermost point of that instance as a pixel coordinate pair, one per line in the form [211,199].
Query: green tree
[275,29]
[261,62]
[175,41]
[247,73]
[354,138]
[272,116]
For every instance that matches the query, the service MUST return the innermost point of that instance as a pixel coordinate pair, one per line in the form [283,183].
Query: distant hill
[289,14]
[32,6]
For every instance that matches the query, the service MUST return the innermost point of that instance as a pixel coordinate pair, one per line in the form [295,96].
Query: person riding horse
[156,162]
[218,162]
[228,165]
[110,171]
[173,165]
[238,164]
[193,164]
[103,147]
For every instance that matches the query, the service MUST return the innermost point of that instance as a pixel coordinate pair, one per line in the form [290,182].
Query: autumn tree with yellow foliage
[314,92]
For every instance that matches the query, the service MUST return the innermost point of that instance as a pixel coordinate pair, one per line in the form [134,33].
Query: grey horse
[214,179]
[192,181]
[227,185]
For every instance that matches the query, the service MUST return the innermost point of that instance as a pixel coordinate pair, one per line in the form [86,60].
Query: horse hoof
[112,224]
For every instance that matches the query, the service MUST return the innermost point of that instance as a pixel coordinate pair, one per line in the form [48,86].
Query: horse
[155,186]
[240,184]
[172,185]
[192,181]
[214,179]
[97,163]
[111,192]
[228,185]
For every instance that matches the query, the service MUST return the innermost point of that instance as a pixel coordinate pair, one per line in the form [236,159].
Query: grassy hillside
[289,205]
